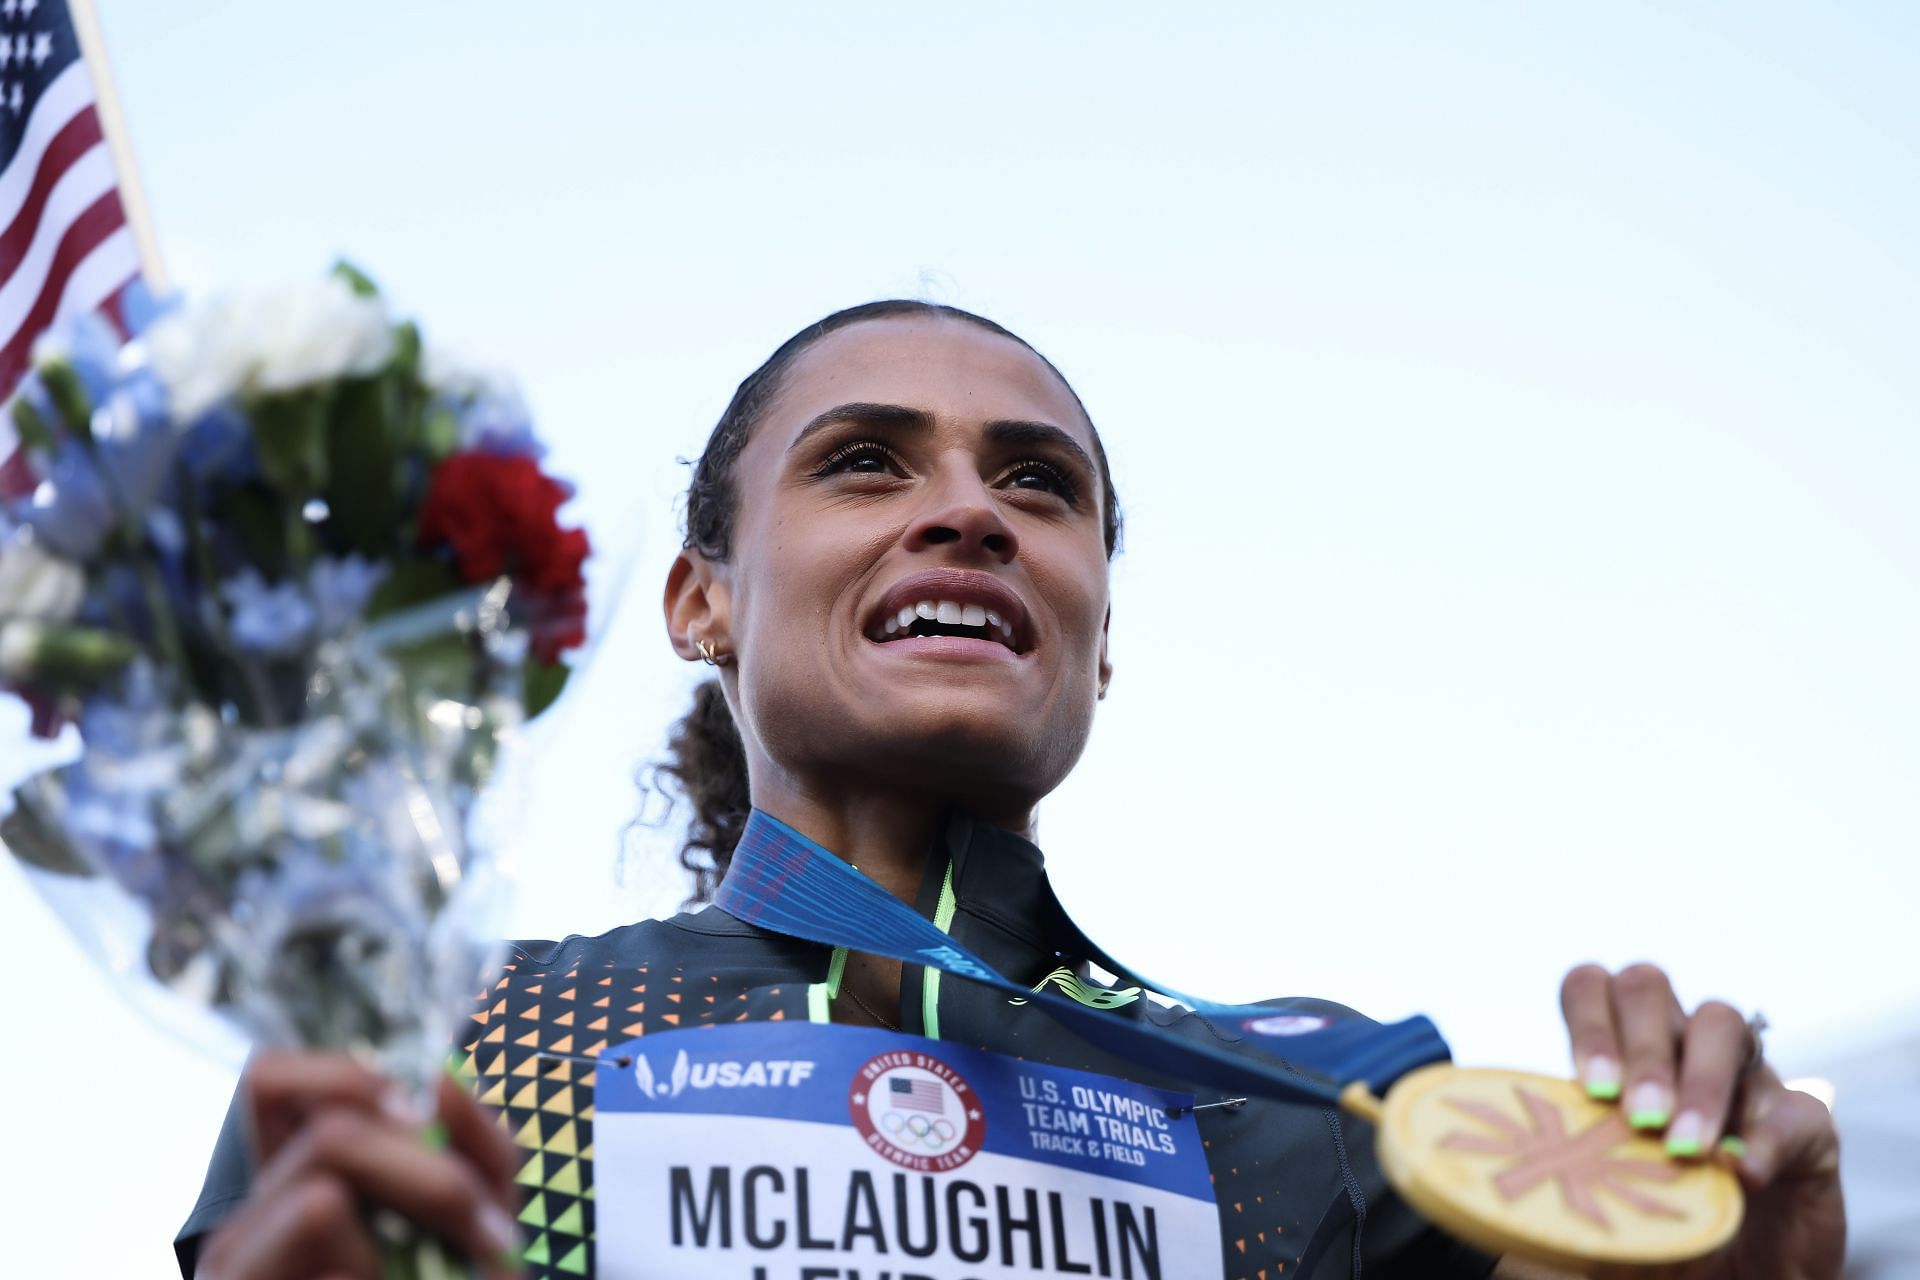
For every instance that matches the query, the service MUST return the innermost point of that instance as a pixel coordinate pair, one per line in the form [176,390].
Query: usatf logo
[917,1111]
[1286,1024]
[772,1072]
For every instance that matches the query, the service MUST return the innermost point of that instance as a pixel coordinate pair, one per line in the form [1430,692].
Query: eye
[859,457]
[1041,476]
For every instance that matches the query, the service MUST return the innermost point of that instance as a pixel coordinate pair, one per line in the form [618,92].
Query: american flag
[65,245]
[917,1095]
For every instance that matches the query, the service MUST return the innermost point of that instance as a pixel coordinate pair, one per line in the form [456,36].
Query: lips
[951,604]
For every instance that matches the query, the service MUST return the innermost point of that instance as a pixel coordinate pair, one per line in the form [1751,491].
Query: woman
[892,462]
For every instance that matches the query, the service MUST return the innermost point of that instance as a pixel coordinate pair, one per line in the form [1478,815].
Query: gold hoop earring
[710,654]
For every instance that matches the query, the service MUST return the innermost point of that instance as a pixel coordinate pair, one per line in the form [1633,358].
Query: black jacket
[1299,1191]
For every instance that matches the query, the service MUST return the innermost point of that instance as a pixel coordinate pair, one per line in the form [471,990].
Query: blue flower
[136,446]
[273,621]
[69,509]
[219,446]
[498,423]
[341,589]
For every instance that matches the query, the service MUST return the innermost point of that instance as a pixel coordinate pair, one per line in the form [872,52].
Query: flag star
[19,48]
[16,98]
[27,7]
[6,54]
[42,48]
[10,8]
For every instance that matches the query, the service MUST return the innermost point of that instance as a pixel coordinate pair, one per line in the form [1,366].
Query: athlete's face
[917,594]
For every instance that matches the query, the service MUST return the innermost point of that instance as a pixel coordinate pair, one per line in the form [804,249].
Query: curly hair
[705,760]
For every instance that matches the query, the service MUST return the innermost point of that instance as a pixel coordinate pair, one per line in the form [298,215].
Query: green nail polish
[1684,1147]
[1733,1146]
[434,1137]
[1648,1119]
[1603,1090]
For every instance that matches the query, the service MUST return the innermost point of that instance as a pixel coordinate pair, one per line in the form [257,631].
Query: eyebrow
[898,417]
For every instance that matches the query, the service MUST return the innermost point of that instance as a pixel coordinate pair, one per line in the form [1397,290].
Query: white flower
[37,584]
[457,375]
[250,344]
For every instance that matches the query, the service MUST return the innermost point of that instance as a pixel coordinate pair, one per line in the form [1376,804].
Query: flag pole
[113,126]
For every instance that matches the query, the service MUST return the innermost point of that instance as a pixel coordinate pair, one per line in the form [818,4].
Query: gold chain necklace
[869,1011]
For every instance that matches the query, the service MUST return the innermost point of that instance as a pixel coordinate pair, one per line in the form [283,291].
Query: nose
[961,513]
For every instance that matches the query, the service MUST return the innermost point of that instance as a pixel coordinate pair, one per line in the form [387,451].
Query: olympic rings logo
[914,1130]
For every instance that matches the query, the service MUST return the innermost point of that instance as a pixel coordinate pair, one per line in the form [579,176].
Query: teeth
[949,613]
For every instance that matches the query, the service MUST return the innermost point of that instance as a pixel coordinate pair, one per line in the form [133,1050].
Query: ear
[696,606]
[1106,665]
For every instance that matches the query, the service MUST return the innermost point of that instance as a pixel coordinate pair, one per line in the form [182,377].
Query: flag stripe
[80,135]
[101,275]
[84,234]
[70,93]
[74,196]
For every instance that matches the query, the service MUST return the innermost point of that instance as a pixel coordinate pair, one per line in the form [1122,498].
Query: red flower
[500,514]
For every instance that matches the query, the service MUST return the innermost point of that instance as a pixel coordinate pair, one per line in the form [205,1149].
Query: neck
[885,832]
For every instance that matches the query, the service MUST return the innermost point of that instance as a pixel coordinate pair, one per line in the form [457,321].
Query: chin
[971,750]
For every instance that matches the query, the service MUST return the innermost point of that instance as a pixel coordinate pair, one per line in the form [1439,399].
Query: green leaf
[439,434]
[406,347]
[69,397]
[362,495]
[39,843]
[541,685]
[33,429]
[443,665]
[257,518]
[290,435]
[77,658]
[412,582]
[356,279]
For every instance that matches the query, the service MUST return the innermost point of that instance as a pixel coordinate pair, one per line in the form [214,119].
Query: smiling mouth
[934,617]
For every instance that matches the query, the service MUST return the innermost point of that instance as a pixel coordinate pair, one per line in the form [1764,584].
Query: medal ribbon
[782,881]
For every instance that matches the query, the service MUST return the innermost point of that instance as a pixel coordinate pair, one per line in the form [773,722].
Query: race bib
[797,1151]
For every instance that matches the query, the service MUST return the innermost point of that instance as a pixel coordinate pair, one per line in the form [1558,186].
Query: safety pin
[1232,1104]
[595,1061]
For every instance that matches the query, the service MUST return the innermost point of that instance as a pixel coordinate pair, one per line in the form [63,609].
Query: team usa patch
[917,1111]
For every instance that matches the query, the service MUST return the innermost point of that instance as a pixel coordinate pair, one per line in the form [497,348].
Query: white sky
[1515,411]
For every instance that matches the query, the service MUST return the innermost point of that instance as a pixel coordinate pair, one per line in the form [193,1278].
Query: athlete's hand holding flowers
[331,1140]
[296,585]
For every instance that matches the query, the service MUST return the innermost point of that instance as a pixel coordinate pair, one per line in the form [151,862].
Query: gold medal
[1522,1164]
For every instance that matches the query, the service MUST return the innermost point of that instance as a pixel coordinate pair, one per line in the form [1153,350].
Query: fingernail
[1734,1146]
[1687,1135]
[1648,1105]
[1602,1077]
[434,1137]
[496,1228]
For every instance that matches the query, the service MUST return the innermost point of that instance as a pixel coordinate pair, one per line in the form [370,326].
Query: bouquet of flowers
[296,581]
